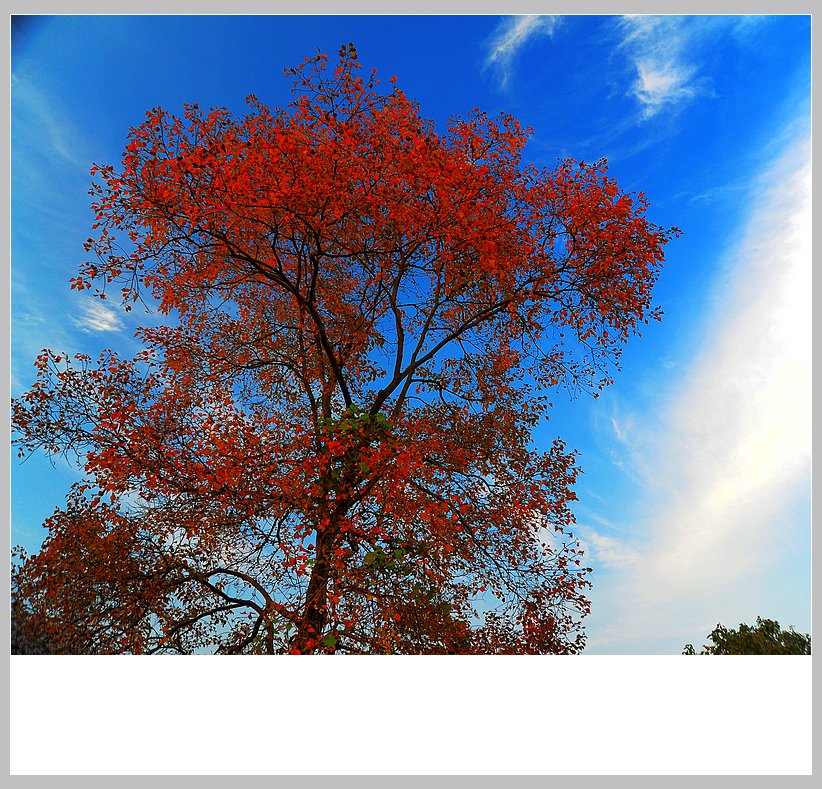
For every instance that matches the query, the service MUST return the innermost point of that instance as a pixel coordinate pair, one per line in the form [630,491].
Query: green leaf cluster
[380,559]
[355,421]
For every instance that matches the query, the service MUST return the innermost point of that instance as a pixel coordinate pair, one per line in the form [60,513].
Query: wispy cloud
[732,453]
[665,51]
[657,47]
[619,430]
[626,441]
[662,82]
[509,38]
[43,126]
[97,317]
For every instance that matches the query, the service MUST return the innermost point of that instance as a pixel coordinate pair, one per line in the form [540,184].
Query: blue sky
[695,502]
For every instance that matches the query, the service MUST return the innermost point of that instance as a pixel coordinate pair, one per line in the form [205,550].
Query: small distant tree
[765,638]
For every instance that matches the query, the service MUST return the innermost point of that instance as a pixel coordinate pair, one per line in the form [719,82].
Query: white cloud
[610,553]
[97,317]
[511,35]
[731,456]
[656,46]
[662,82]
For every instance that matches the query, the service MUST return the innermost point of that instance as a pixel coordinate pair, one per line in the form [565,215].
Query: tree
[765,638]
[328,446]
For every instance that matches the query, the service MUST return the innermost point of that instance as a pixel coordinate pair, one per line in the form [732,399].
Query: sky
[694,506]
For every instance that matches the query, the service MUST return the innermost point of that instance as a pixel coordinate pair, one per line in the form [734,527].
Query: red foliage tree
[329,448]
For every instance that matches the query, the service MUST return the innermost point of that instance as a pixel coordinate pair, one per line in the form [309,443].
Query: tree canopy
[327,446]
[765,638]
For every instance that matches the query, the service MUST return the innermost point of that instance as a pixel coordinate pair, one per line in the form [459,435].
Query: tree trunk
[315,613]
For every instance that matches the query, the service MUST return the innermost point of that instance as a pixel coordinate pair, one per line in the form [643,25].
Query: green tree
[766,638]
